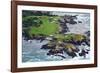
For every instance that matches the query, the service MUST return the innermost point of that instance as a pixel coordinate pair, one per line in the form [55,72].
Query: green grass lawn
[47,27]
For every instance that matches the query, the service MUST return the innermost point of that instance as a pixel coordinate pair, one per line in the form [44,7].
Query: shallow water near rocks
[31,52]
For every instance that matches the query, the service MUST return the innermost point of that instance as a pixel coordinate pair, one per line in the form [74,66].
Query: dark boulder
[73,22]
[72,54]
[83,53]
[87,33]
[46,46]
[41,38]
[54,52]
[79,21]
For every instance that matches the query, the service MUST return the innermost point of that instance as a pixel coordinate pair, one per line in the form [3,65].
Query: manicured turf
[47,27]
